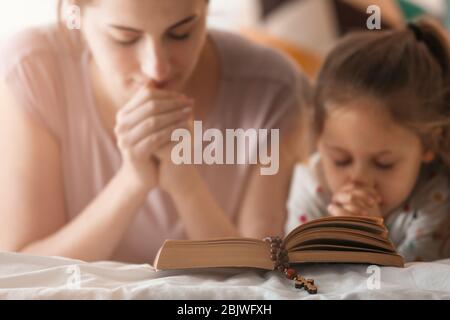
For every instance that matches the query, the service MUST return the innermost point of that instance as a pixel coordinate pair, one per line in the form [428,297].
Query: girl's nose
[362,176]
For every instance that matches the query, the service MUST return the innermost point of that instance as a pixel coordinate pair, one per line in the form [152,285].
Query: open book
[327,240]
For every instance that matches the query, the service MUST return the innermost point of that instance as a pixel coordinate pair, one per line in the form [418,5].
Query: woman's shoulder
[33,42]
[243,58]
[24,43]
[26,40]
[34,70]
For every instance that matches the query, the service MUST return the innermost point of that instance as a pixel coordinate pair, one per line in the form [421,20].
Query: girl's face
[363,145]
[134,42]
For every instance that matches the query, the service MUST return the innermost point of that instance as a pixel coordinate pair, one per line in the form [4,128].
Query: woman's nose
[155,63]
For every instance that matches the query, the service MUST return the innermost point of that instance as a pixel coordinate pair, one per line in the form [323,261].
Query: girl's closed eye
[384,165]
[343,162]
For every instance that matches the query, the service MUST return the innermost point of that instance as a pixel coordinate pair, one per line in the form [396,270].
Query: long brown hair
[408,70]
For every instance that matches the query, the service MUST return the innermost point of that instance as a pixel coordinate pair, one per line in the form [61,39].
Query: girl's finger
[337,211]
[350,187]
[355,197]
[355,210]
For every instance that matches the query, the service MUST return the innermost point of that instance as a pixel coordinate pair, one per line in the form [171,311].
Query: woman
[89,173]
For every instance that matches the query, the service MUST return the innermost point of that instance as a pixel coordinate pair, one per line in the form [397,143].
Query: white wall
[234,14]
[17,14]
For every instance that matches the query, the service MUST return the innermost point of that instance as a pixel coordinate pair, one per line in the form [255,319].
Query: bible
[361,240]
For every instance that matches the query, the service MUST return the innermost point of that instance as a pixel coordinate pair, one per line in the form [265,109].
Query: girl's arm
[32,209]
[420,230]
[307,196]
[425,233]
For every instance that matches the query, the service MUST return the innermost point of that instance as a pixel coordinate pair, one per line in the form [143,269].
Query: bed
[31,277]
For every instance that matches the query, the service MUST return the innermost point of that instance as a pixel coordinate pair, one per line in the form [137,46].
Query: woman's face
[135,42]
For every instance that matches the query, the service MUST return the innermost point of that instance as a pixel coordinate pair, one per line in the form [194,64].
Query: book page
[356,223]
[251,253]
[338,236]
[384,259]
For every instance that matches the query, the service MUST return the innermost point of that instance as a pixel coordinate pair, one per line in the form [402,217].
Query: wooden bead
[312,290]
[299,285]
[290,273]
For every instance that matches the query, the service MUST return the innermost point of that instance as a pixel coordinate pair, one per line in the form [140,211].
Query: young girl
[381,122]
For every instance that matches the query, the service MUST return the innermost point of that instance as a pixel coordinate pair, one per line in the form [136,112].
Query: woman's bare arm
[263,209]
[32,209]
[263,212]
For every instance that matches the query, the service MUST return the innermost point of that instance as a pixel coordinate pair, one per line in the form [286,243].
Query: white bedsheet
[31,277]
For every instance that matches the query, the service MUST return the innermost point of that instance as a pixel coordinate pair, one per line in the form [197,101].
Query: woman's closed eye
[134,40]
[179,36]
[124,38]
[128,42]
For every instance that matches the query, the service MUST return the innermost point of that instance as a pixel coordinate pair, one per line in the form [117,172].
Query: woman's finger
[127,121]
[157,123]
[144,94]
[150,144]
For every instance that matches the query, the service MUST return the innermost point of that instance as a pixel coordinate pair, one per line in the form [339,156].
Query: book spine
[280,258]
[278,253]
